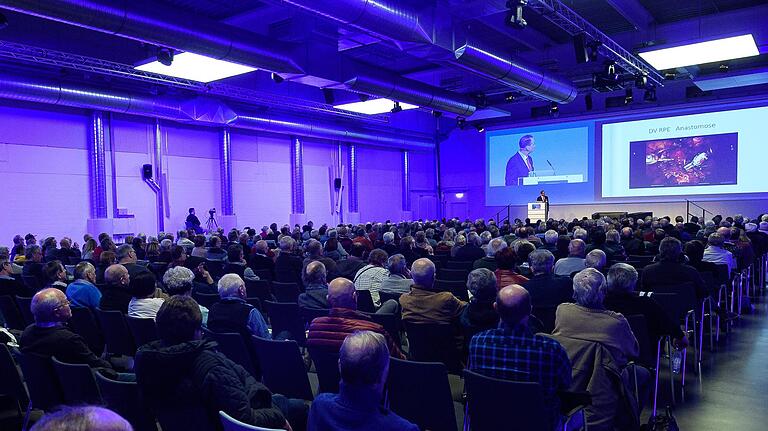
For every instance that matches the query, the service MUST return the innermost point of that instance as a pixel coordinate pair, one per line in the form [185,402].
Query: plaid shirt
[517,354]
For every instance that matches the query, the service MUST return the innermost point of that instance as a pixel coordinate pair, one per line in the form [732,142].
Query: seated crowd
[520,301]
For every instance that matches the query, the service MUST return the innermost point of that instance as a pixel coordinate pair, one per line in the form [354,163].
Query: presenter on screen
[544,198]
[521,163]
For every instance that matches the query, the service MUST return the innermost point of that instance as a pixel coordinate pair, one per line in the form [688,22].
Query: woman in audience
[561,247]
[144,304]
[56,275]
[179,281]
[88,249]
[105,259]
[505,272]
[199,250]
[178,256]
[152,253]
[138,247]
[215,252]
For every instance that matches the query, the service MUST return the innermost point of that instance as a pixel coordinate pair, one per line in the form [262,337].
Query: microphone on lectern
[553,168]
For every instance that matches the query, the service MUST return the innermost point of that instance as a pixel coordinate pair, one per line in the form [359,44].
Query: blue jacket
[354,408]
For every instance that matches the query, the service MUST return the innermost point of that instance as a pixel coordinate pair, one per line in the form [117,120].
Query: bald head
[341,294]
[513,304]
[117,275]
[314,273]
[50,306]
[423,272]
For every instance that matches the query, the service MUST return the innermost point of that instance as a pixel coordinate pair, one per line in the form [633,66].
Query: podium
[537,211]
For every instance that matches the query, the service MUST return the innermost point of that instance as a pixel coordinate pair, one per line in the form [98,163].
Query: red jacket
[330,331]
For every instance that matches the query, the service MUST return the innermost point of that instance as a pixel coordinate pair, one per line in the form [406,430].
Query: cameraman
[193,222]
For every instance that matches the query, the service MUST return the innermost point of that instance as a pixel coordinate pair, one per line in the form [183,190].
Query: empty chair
[124,398]
[453,274]
[285,291]
[365,301]
[234,347]
[143,330]
[116,333]
[78,384]
[84,324]
[327,366]
[433,342]
[231,424]
[486,397]
[420,393]
[261,289]
[25,307]
[282,367]
[457,287]
[286,321]
[11,383]
[44,390]
[206,299]
[11,313]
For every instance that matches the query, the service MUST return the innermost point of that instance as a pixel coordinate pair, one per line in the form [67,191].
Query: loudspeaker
[337,183]
[146,172]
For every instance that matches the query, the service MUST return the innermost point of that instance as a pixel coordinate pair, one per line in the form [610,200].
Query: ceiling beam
[634,12]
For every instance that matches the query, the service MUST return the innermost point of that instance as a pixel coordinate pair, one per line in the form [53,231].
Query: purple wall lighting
[97,172]
[406,181]
[297,176]
[352,175]
[225,165]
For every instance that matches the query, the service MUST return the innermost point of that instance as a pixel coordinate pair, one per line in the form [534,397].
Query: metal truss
[32,54]
[572,23]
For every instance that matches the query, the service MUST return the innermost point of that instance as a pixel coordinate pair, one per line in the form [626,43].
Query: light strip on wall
[196,67]
[702,52]
[373,106]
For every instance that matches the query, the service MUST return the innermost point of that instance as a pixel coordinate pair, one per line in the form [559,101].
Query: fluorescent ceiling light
[373,106]
[196,67]
[702,52]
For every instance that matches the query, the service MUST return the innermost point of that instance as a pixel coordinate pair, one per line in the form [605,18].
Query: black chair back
[486,397]
[386,296]
[308,314]
[282,368]
[420,393]
[11,383]
[686,296]
[285,291]
[116,333]
[158,268]
[206,299]
[365,301]
[143,330]
[639,325]
[42,383]
[84,324]
[124,398]
[77,383]
[327,366]
[458,288]
[256,302]
[234,347]
[31,282]
[11,314]
[25,307]
[464,265]
[453,274]
[263,274]
[286,321]
[286,276]
[74,260]
[233,268]
[546,316]
[261,289]
[723,275]
[215,267]
[433,342]
[390,322]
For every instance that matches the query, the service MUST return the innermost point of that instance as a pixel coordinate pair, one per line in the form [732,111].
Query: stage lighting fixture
[588,102]
[165,56]
[3,21]
[461,123]
[328,96]
[670,76]
[510,97]
[641,80]
[277,78]
[554,110]
[397,108]
[515,15]
[479,128]
[650,93]
[437,114]
[580,46]
[723,68]
[594,49]
[628,96]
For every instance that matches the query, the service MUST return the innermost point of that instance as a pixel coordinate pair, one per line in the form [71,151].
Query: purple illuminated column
[225,168]
[97,172]
[406,182]
[354,214]
[297,181]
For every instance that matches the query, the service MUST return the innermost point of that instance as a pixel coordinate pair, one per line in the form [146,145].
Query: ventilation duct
[507,70]
[165,26]
[200,111]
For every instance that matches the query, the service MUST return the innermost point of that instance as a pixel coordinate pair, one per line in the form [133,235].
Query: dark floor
[733,392]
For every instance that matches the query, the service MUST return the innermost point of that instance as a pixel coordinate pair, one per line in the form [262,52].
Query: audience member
[479,313]
[399,279]
[144,303]
[715,252]
[33,266]
[8,284]
[370,276]
[116,294]
[236,263]
[545,288]
[575,260]
[425,304]
[82,418]
[259,260]
[596,259]
[348,268]
[83,291]
[315,286]
[389,244]
[180,281]
[671,269]
[233,314]
[506,260]
[56,275]
[489,261]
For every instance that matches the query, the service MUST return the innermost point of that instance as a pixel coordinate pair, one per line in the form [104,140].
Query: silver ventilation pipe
[406,181]
[165,26]
[505,69]
[156,183]
[297,176]
[199,111]
[97,171]
[352,178]
[225,169]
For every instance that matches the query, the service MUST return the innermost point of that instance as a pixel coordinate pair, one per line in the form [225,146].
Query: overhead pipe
[156,183]
[199,111]
[506,69]
[97,171]
[165,26]
[225,170]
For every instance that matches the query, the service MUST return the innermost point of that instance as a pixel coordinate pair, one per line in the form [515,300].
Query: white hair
[388,237]
[229,285]
[589,288]
[550,236]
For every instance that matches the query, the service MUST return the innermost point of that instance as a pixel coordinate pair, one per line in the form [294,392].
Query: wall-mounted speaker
[146,172]
[337,183]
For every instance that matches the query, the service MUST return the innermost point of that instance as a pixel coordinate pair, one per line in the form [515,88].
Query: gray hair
[596,259]
[612,236]
[495,246]
[482,283]
[577,247]
[715,240]
[550,236]
[178,280]
[580,234]
[388,237]
[363,358]
[83,269]
[423,272]
[589,288]
[622,277]
[396,264]
[286,243]
[670,248]
[486,237]
[166,244]
[123,251]
[314,273]
[474,239]
[229,285]
[541,260]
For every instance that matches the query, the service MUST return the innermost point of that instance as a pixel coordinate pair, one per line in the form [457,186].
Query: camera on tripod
[211,223]
[212,211]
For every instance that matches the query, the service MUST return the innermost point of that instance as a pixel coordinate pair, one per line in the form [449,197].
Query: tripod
[211,223]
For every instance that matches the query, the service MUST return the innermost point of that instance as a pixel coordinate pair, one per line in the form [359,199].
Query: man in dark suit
[546,288]
[521,163]
[33,266]
[671,269]
[544,198]
[259,259]
[193,222]
[288,266]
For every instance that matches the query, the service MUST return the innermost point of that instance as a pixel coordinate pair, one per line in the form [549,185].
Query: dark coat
[516,168]
[549,289]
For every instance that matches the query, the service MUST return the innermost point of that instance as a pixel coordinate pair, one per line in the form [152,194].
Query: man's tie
[529,163]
